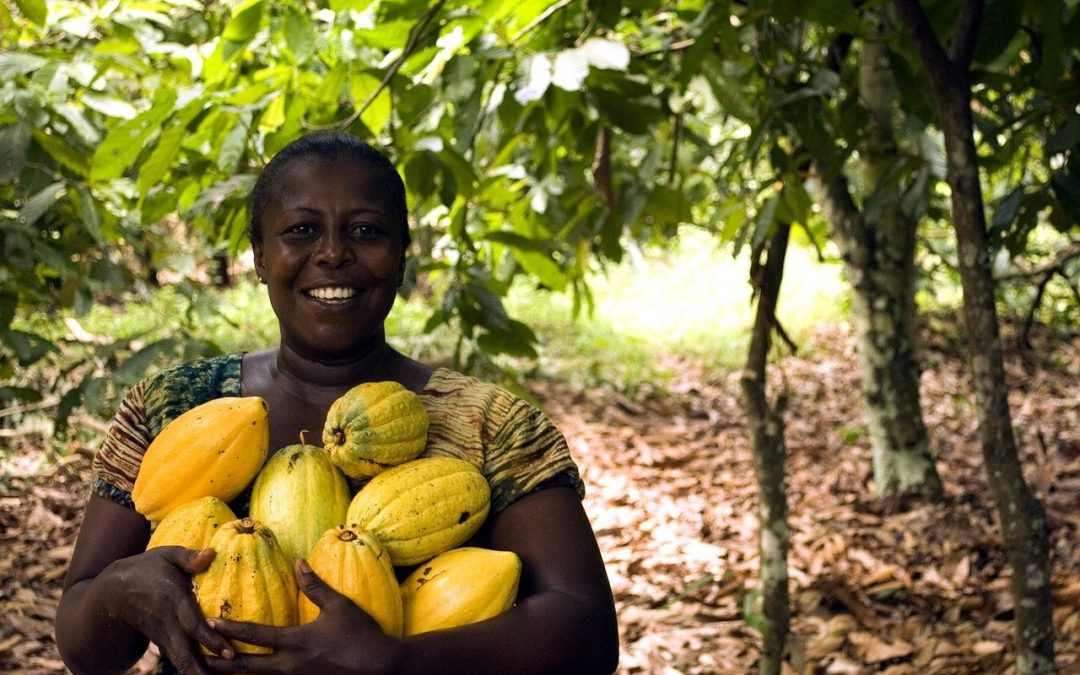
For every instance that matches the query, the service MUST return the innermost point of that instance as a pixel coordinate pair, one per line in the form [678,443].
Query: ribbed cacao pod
[192,525]
[250,579]
[299,494]
[461,586]
[375,425]
[422,508]
[353,562]
[213,450]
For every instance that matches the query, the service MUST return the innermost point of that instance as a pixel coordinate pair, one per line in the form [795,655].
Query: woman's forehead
[313,177]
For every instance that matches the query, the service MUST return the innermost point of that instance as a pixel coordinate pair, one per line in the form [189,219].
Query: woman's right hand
[118,595]
[152,593]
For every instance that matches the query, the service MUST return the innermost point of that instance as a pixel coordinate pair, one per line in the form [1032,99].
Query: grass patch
[693,301]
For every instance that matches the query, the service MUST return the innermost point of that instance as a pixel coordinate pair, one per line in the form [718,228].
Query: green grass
[693,302]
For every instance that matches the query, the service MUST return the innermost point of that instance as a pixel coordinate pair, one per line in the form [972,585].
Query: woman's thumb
[312,586]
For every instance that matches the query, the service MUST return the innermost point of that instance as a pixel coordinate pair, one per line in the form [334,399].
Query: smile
[332,293]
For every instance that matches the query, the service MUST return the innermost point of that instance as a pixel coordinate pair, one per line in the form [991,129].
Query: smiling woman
[329,233]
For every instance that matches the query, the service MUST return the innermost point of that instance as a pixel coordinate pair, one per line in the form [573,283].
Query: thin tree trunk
[1023,519]
[878,248]
[769,451]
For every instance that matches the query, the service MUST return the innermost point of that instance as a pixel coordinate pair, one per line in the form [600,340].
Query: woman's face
[331,257]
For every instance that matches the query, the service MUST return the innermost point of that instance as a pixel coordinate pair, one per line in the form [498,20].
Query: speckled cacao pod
[375,425]
[422,508]
[250,579]
[354,563]
[459,587]
[192,525]
[299,494]
[213,450]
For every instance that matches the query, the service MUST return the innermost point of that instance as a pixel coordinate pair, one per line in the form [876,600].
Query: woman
[329,233]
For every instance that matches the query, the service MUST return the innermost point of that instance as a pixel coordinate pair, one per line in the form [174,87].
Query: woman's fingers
[189,560]
[312,586]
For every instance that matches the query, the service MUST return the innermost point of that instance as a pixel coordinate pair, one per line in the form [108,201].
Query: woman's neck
[312,379]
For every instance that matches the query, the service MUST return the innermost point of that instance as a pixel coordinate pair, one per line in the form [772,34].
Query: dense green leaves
[534,137]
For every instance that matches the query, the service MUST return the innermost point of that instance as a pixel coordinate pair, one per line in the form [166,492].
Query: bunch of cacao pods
[413,512]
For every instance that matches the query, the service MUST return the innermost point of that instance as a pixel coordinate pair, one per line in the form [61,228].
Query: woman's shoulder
[453,393]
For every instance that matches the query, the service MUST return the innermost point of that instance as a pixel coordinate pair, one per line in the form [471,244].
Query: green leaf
[13,64]
[161,158]
[14,141]
[35,10]
[124,143]
[1004,216]
[28,347]
[138,366]
[377,113]
[233,145]
[9,301]
[40,202]
[299,34]
[88,213]
[245,21]
[64,154]
[1066,187]
[109,106]
[517,340]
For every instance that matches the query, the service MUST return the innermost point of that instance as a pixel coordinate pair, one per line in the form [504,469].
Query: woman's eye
[301,229]
[365,230]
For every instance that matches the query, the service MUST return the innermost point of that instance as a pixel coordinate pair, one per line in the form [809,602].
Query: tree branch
[962,47]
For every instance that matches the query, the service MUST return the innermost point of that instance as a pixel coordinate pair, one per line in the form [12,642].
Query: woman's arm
[116,597]
[564,621]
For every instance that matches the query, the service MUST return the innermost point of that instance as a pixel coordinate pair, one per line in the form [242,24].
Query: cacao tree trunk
[766,422]
[1023,519]
[877,245]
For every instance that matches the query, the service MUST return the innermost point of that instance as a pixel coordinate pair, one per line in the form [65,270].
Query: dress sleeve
[527,452]
[116,464]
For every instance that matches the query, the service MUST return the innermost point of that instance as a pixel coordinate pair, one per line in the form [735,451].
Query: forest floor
[877,587]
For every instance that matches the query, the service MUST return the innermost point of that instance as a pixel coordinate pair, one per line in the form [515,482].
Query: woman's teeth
[332,293]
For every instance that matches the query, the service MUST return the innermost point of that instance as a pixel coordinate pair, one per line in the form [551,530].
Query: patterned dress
[512,442]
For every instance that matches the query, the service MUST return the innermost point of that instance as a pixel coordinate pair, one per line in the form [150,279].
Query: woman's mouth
[332,293]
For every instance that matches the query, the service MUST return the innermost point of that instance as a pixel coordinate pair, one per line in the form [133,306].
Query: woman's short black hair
[330,145]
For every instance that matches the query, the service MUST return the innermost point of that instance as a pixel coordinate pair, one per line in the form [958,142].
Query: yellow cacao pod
[299,494]
[250,579]
[459,587]
[353,562]
[213,450]
[422,508]
[375,425]
[192,525]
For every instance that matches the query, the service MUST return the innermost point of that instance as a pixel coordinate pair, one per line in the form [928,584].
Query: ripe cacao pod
[213,450]
[250,579]
[375,425]
[299,494]
[353,562]
[422,508]
[192,525]
[459,587]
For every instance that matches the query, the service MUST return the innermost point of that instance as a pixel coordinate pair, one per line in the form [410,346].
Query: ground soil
[878,586]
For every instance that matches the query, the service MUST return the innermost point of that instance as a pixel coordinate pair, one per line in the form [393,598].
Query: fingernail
[227,653]
[304,566]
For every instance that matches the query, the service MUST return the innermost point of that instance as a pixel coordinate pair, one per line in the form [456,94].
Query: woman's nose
[334,248]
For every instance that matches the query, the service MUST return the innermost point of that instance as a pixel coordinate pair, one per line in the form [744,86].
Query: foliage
[537,139]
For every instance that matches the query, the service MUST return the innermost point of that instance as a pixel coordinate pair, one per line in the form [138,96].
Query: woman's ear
[260,265]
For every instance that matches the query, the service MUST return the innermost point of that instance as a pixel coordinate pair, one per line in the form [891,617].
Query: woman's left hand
[343,639]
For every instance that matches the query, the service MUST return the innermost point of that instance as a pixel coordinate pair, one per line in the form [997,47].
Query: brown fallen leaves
[877,587]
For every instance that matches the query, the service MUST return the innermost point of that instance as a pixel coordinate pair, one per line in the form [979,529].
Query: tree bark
[877,245]
[767,444]
[1023,519]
